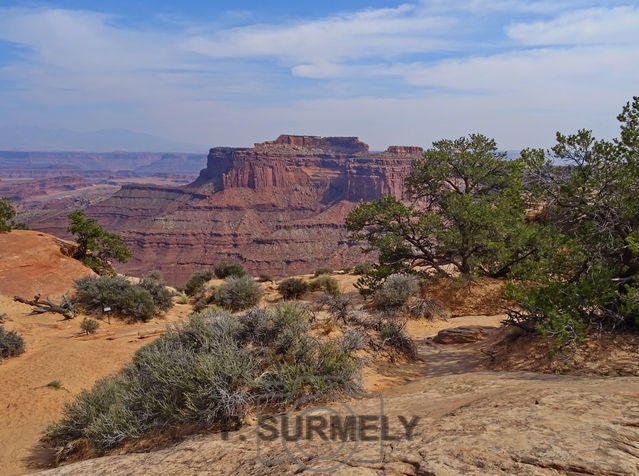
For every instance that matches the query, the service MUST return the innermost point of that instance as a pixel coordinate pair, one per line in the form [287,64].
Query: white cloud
[590,26]
[369,33]
[518,70]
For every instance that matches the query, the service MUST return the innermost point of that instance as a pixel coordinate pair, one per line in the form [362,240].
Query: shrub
[426,309]
[89,326]
[229,268]
[56,384]
[125,299]
[265,278]
[237,294]
[156,286]
[323,270]
[11,343]
[197,281]
[326,283]
[292,288]
[395,292]
[353,339]
[395,336]
[207,372]
[338,305]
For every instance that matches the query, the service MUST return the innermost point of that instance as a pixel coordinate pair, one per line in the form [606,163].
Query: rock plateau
[278,207]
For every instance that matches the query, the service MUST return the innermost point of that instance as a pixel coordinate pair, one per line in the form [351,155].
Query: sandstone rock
[278,208]
[35,263]
[472,424]
[462,335]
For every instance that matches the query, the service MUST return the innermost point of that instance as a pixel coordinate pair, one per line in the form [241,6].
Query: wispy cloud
[446,64]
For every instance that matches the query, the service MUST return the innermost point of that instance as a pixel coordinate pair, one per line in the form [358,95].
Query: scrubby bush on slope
[125,299]
[292,288]
[208,372]
[197,281]
[11,343]
[238,294]
[229,268]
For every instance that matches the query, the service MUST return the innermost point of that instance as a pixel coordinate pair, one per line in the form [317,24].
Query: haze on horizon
[201,74]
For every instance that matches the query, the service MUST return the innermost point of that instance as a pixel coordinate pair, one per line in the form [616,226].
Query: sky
[231,73]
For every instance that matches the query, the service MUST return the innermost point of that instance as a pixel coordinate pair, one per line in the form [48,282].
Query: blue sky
[234,73]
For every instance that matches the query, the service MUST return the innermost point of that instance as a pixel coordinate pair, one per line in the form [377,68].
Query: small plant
[238,293]
[197,280]
[11,343]
[265,278]
[325,283]
[182,298]
[56,384]
[292,288]
[123,298]
[228,269]
[322,270]
[395,293]
[3,316]
[89,326]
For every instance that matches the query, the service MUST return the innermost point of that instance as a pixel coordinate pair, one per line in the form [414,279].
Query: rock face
[462,334]
[34,263]
[278,207]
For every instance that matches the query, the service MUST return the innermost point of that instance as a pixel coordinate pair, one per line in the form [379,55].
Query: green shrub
[228,269]
[395,293]
[322,270]
[89,326]
[125,299]
[207,372]
[265,278]
[156,286]
[325,283]
[237,294]
[292,288]
[197,280]
[11,343]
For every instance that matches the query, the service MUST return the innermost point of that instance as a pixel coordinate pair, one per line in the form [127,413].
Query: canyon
[278,208]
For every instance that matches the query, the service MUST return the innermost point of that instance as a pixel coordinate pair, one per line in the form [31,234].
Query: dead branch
[39,307]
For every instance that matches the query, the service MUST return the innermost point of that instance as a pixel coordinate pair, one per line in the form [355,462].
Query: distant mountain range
[106,140]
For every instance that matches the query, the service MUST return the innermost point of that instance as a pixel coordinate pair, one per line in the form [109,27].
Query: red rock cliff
[278,207]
